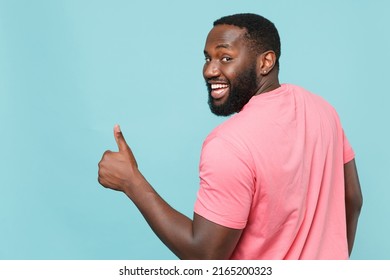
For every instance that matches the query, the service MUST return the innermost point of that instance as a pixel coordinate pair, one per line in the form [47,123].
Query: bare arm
[188,239]
[353,201]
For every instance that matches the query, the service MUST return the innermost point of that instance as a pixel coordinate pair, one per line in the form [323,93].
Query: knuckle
[105,155]
[102,182]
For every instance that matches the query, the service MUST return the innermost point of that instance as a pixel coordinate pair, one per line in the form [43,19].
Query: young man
[277,180]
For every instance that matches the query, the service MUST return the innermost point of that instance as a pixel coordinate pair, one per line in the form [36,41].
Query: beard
[241,91]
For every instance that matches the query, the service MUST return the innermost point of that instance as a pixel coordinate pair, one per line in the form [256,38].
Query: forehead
[225,36]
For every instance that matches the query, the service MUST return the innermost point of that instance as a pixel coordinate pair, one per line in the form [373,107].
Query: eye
[226,59]
[207,59]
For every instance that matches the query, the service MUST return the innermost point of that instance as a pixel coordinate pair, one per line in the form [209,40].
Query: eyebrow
[220,46]
[224,46]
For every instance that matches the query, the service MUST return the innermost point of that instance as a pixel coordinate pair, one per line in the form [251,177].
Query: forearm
[188,239]
[353,201]
[352,215]
[173,228]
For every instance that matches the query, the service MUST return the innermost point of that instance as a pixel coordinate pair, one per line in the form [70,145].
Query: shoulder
[312,99]
[228,141]
[223,137]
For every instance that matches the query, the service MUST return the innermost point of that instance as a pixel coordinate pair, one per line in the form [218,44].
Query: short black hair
[261,33]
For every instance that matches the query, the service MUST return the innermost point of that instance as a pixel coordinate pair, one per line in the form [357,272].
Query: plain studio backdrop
[70,70]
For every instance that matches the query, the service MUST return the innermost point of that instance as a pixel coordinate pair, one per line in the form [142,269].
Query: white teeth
[217,86]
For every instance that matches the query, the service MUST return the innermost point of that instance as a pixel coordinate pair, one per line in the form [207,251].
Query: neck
[268,83]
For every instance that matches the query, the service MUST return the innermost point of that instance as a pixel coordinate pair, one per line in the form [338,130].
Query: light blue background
[70,70]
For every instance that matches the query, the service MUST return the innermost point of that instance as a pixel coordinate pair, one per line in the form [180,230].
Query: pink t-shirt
[275,170]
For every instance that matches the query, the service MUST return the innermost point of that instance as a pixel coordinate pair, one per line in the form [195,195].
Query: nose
[211,70]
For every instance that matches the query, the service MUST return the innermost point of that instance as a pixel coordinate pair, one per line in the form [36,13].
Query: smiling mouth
[218,91]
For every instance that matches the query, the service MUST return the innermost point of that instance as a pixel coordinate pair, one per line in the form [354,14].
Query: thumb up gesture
[119,170]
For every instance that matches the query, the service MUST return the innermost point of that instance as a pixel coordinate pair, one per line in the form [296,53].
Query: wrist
[137,187]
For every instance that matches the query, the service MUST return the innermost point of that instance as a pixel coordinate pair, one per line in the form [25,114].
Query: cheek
[231,73]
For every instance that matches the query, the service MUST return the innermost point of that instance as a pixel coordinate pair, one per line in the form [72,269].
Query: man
[277,180]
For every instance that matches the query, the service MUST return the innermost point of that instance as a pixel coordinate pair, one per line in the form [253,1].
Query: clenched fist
[119,170]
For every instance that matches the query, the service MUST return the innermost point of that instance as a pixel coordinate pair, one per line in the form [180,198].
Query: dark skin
[353,201]
[227,54]
[198,238]
[188,239]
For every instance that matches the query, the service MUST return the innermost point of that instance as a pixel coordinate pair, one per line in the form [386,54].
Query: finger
[120,140]
[122,145]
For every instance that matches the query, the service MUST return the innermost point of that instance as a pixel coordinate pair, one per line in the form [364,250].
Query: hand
[119,170]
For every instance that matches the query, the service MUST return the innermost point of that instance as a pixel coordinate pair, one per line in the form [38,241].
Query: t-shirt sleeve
[349,154]
[226,184]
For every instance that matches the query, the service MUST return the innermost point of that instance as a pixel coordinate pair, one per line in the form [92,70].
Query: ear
[266,62]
